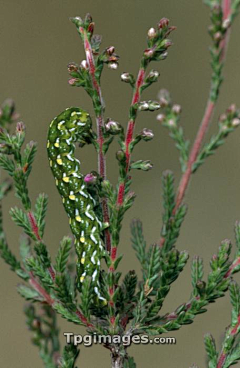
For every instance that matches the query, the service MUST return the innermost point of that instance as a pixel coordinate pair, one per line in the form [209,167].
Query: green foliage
[227,123]
[69,357]
[29,293]
[40,212]
[139,244]
[129,363]
[63,254]
[170,117]
[20,218]
[210,347]
[43,325]
[11,260]
[113,305]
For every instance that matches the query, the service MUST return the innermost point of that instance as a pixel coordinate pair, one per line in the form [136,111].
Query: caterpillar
[71,126]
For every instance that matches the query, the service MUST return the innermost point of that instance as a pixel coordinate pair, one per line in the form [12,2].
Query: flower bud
[163,23]
[163,56]
[160,118]
[143,106]
[167,43]
[77,20]
[148,53]
[164,97]
[147,134]
[171,123]
[84,64]
[235,122]
[113,65]
[91,178]
[88,18]
[217,36]
[127,78]
[110,50]
[20,128]
[106,185]
[146,165]
[176,109]
[232,109]
[120,155]
[113,127]
[90,28]
[72,81]
[224,128]
[152,33]
[142,165]
[222,117]
[152,76]
[226,23]
[153,105]
[36,323]
[200,285]
[72,67]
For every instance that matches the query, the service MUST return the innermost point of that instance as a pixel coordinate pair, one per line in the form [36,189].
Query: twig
[99,122]
[185,179]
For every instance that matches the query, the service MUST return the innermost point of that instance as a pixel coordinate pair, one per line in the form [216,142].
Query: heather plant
[83,284]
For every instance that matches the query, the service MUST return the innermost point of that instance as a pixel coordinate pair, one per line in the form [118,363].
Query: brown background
[37,42]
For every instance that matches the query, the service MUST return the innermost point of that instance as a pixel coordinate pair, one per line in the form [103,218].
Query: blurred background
[37,42]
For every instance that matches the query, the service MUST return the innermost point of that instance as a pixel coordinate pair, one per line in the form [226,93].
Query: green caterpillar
[71,126]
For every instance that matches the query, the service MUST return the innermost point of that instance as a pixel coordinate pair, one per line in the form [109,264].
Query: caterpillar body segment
[71,126]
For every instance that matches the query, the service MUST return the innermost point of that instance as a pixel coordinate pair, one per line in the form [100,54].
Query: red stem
[184,182]
[35,230]
[34,225]
[34,283]
[40,290]
[193,155]
[130,131]
[99,121]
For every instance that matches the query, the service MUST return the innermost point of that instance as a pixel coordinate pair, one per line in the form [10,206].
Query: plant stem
[193,155]
[185,179]
[118,356]
[99,122]
[130,131]
[232,332]
[34,283]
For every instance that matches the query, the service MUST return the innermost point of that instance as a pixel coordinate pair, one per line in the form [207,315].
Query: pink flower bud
[217,36]
[231,109]
[167,43]
[171,123]
[148,52]
[160,118]
[147,134]
[72,81]
[176,109]
[223,117]
[163,23]
[110,50]
[113,127]
[90,178]
[20,127]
